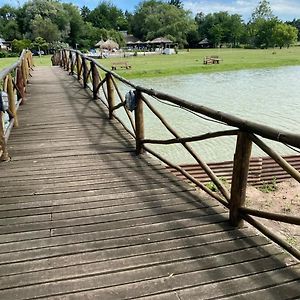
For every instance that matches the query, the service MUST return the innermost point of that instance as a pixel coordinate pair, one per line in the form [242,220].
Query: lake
[266,96]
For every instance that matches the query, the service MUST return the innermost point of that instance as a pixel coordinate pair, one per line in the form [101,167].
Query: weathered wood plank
[82,217]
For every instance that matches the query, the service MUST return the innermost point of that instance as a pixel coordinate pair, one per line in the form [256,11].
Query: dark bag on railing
[130,100]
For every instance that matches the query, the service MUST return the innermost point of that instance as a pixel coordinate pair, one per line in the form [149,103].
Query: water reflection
[266,96]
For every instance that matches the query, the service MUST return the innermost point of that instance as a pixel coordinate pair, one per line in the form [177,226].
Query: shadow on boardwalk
[81,217]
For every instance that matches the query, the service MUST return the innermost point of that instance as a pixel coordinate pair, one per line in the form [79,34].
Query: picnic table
[213,59]
[120,64]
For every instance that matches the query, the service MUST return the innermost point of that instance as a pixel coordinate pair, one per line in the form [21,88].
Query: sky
[286,10]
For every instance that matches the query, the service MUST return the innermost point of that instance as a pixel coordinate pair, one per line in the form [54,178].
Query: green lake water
[266,96]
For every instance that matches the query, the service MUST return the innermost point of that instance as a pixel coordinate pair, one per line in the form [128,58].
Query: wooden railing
[13,82]
[103,84]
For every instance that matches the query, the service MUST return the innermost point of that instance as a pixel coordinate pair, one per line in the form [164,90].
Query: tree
[76,24]
[261,26]
[296,23]
[220,28]
[285,35]
[154,18]
[107,16]
[85,13]
[19,45]
[177,3]
[9,28]
[262,11]
[39,44]
[45,29]
[48,10]
[11,31]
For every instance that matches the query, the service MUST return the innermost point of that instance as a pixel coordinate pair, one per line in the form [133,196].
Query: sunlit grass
[44,60]
[191,62]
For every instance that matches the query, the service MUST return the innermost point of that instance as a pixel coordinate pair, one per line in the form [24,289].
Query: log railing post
[61,59]
[67,60]
[72,64]
[139,123]
[110,94]
[11,99]
[239,177]
[20,84]
[78,65]
[26,67]
[3,148]
[23,67]
[96,80]
[84,72]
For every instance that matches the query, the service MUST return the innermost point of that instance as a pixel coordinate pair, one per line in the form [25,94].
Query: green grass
[45,60]
[192,62]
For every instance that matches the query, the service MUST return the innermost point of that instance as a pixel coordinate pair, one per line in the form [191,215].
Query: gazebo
[205,43]
[109,45]
[162,42]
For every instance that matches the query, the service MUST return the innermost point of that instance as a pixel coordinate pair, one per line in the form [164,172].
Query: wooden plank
[149,271]
[81,217]
[111,262]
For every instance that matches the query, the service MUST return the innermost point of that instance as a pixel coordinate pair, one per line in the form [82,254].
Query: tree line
[51,24]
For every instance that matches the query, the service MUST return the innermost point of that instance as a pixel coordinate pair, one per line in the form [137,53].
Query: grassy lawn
[192,62]
[45,60]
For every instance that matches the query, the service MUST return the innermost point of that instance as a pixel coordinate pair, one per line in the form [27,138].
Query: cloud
[288,8]
[284,9]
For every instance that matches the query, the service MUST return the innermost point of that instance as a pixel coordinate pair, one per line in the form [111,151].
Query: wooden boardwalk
[81,217]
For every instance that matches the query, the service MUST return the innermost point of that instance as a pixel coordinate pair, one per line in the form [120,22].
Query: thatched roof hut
[109,45]
[100,43]
[161,40]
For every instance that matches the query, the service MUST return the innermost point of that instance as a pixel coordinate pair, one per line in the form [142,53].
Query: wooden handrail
[246,131]
[15,79]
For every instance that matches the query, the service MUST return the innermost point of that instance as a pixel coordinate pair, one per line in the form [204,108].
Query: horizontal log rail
[13,82]
[104,85]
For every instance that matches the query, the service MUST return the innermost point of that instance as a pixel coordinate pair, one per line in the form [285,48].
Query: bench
[214,59]
[120,64]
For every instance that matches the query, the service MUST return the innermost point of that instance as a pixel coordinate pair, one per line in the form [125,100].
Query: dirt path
[283,198]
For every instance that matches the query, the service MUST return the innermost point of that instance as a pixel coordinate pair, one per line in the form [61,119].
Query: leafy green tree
[50,10]
[154,18]
[285,35]
[220,28]
[108,16]
[262,11]
[85,13]
[177,3]
[76,24]
[39,44]
[45,29]
[295,23]
[261,26]
[236,30]
[19,45]
[9,28]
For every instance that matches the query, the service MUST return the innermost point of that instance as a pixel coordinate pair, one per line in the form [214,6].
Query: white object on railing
[4,98]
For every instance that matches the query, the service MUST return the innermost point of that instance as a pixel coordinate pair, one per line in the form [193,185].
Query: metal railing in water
[103,84]
[13,82]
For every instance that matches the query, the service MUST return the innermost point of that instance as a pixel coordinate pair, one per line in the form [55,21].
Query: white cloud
[284,9]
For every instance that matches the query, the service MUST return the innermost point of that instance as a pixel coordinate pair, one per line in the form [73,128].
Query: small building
[162,42]
[205,43]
